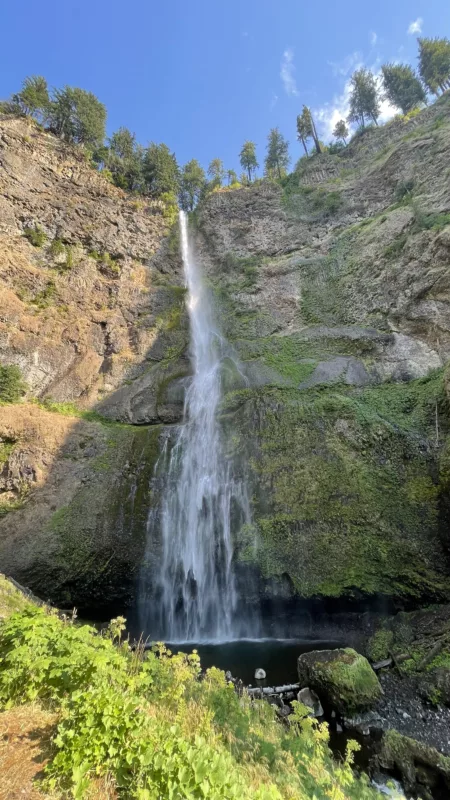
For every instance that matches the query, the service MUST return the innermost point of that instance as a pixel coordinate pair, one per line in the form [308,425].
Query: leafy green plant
[151,725]
[12,385]
[35,236]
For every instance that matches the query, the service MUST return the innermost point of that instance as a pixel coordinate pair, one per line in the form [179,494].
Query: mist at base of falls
[204,500]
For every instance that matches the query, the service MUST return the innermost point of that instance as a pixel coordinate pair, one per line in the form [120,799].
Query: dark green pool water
[278,657]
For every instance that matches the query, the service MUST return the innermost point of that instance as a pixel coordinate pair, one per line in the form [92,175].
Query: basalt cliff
[334,291]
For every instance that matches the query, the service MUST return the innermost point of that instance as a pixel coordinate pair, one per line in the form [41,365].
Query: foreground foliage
[154,727]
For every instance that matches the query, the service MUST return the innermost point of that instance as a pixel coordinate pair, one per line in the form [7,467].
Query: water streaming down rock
[196,598]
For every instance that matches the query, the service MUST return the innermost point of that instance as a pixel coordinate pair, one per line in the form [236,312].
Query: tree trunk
[315,137]
[304,145]
[249,174]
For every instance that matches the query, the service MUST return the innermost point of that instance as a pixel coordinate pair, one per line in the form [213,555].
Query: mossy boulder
[435,686]
[422,768]
[343,679]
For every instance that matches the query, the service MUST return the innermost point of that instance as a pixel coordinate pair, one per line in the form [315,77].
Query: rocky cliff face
[334,291]
[92,311]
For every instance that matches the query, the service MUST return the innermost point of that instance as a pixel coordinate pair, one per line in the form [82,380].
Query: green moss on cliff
[347,497]
[100,534]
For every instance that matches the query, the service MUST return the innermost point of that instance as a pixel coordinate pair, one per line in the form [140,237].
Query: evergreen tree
[364,99]
[434,64]
[192,184]
[125,160]
[231,176]
[61,113]
[248,160]
[277,158]
[160,170]
[341,131]
[303,132]
[306,129]
[33,99]
[216,172]
[77,116]
[89,118]
[402,87]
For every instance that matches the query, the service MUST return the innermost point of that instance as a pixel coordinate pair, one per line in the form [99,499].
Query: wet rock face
[343,679]
[335,294]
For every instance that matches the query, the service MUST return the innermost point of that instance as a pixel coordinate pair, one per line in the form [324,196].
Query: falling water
[196,598]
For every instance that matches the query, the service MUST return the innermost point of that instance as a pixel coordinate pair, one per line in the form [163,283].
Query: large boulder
[423,770]
[343,679]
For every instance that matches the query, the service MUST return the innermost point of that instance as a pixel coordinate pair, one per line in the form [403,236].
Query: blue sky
[204,75]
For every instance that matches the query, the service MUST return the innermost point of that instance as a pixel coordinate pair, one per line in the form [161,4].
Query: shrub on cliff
[154,727]
[12,385]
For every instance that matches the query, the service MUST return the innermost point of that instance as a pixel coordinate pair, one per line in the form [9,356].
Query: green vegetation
[364,98]
[402,87]
[160,170]
[430,221]
[150,725]
[35,236]
[192,184]
[248,160]
[11,599]
[12,385]
[277,158]
[77,116]
[380,644]
[349,486]
[70,409]
[395,248]
[341,132]
[434,64]
[216,173]
[306,130]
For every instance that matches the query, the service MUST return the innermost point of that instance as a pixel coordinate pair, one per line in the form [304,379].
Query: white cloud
[347,65]
[373,38]
[416,26]
[328,115]
[287,70]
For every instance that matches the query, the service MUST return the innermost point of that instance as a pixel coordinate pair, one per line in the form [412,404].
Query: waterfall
[196,598]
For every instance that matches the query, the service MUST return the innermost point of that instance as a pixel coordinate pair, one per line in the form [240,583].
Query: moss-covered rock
[344,679]
[345,489]
[422,768]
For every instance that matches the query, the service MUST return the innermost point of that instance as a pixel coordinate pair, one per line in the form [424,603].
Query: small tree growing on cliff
[248,160]
[231,177]
[33,99]
[306,129]
[402,87]
[434,64]
[341,131]
[77,116]
[216,172]
[277,158]
[124,158]
[192,183]
[364,98]
[160,169]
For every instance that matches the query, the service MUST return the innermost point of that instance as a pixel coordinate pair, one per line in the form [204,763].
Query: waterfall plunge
[196,598]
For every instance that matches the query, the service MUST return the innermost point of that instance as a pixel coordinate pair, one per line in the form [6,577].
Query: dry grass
[25,734]
[25,740]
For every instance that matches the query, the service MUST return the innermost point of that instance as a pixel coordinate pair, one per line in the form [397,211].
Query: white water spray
[196,598]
